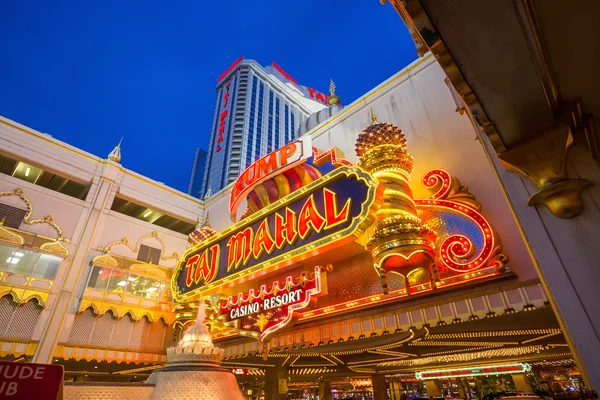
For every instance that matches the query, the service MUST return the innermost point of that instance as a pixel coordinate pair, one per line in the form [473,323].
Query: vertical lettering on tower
[222,116]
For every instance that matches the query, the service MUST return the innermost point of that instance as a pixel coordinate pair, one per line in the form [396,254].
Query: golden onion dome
[201,234]
[377,134]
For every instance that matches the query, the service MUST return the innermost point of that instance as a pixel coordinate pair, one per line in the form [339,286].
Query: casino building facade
[258,110]
[375,255]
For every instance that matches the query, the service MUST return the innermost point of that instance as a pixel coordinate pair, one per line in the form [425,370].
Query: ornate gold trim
[100,307]
[149,269]
[9,237]
[26,219]
[17,347]
[564,200]
[56,248]
[111,260]
[77,352]
[21,295]
[543,161]
[105,260]
[125,242]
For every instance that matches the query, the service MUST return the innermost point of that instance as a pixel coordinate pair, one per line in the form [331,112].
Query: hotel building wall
[60,314]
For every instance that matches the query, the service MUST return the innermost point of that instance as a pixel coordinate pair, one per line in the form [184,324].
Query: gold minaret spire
[334,99]
[115,155]
[373,117]
[400,242]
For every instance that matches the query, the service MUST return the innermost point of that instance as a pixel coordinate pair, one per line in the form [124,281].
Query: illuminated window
[117,282]
[99,278]
[37,176]
[124,283]
[47,267]
[27,172]
[135,285]
[28,263]
[138,211]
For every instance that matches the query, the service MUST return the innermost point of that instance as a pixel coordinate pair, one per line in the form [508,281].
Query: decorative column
[400,242]
[325,390]
[379,387]
[61,309]
[395,388]
[276,383]
[433,388]
[521,383]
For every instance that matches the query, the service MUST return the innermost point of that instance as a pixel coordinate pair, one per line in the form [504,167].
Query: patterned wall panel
[102,329]
[18,321]
[139,333]
[156,336]
[108,331]
[82,327]
[7,308]
[121,332]
[351,278]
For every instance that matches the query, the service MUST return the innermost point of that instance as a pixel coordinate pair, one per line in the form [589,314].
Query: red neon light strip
[282,72]
[337,308]
[228,70]
[329,155]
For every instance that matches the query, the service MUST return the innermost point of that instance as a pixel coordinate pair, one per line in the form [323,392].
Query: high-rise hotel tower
[258,110]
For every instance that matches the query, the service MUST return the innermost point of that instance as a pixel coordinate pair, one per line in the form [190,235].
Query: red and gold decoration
[330,212]
[201,233]
[287,165]
[430,242]
[304,203]
[466,240]
[401,243]
[260,314]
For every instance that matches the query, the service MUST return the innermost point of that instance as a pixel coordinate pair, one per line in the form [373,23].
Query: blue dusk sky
[89,72]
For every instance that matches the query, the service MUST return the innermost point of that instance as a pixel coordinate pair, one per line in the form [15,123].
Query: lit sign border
[289,310]
[474,371]
[357,227]
[304,145]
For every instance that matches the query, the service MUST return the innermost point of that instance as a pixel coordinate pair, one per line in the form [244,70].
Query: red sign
[30,381]
[222,117]
[272,164]
[228,70]
[316,95]
[329,212]
[260,314]
[282,72]
[239,371]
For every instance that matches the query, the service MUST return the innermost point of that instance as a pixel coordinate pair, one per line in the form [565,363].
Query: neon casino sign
[329,212]
[260,314]
[314,94]
[280,160]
